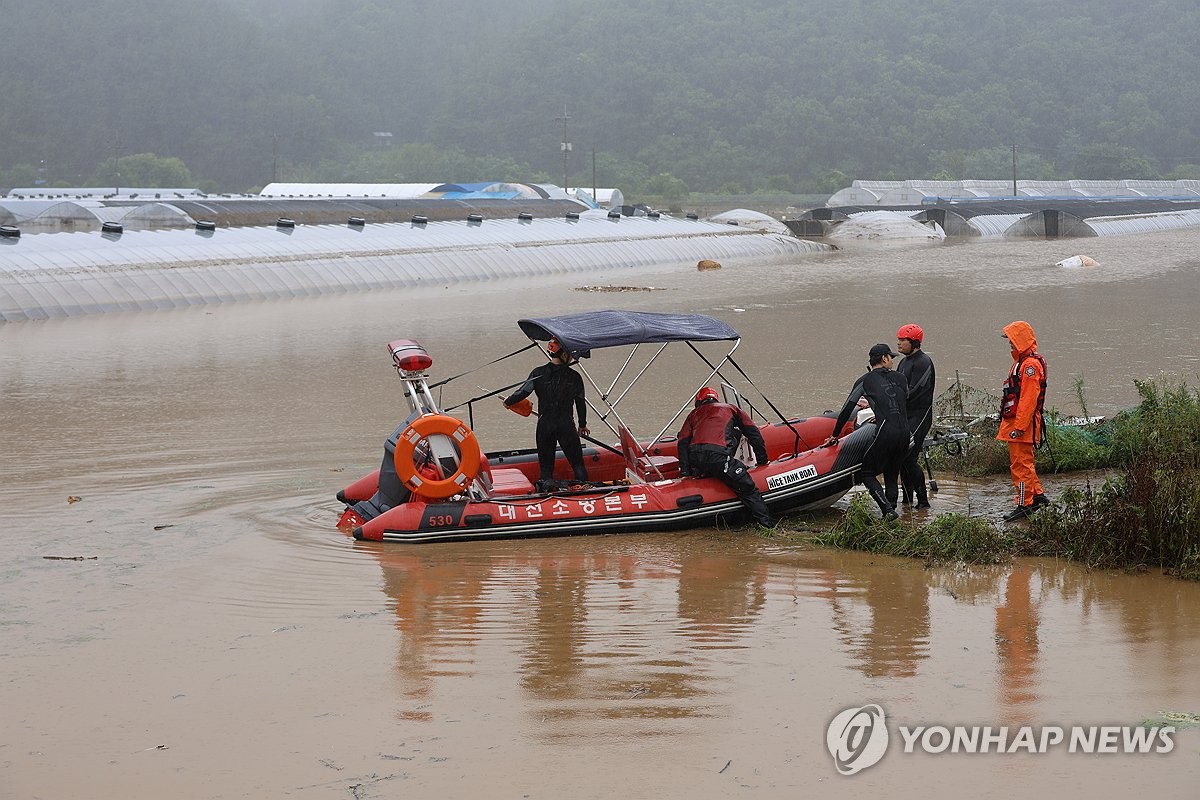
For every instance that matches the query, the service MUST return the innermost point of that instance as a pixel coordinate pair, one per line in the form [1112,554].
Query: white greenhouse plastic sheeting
[404,190]
[748,218]
[1144,223]
[993,226]
[912,192]
[69,274]
[886,225]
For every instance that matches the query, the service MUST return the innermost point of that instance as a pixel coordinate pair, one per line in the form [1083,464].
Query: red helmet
[910,331]
[707,395]
[553,347]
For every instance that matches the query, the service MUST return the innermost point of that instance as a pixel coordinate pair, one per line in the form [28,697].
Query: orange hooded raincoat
[1023,429]
[1026,424]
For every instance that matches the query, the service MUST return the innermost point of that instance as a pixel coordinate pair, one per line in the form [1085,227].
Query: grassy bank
[1147,515]
[949,537]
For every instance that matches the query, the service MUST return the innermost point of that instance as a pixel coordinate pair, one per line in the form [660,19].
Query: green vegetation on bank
[1146,515]
[949,537]
[1149,514]
[1069,447]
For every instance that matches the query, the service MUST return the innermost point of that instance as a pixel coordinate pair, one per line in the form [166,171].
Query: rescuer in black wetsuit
[557,387]
[887,392]
[707,441]
[917,368]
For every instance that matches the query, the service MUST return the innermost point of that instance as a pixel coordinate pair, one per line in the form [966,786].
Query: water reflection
[720,594]
[621,628]
[882,616]
[628,628]
[1017,646]
[437,607]
[636,635]
[1151,617]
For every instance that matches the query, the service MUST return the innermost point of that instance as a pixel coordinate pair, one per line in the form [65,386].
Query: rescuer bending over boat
[707,442]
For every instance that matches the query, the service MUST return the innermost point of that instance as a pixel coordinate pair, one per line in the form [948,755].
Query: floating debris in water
[619,288]
[73,498]
[1076,262]
[1180,719]
[707,264]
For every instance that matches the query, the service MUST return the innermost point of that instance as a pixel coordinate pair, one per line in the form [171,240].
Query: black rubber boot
[922,495]
[1018,513]
[885,508]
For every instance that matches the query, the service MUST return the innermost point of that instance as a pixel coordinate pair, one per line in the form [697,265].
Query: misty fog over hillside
[661,97]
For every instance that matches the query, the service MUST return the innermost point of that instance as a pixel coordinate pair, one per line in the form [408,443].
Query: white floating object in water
[1075,262]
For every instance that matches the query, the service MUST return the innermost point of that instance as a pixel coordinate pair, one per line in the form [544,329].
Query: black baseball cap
[881,350]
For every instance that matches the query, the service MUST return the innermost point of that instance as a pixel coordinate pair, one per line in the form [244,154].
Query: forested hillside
[704,94]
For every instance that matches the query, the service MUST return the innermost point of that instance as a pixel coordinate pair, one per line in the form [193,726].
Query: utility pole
[1014,148]
[566,146]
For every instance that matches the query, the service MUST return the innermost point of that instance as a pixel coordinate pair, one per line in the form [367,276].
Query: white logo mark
[857,738]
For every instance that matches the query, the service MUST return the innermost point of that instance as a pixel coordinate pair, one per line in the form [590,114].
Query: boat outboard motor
[392,491]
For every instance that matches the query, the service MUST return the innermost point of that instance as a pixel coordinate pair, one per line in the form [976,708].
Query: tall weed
[1149,515]
[949,537]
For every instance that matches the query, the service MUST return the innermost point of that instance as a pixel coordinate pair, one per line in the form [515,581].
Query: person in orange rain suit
[1022,426]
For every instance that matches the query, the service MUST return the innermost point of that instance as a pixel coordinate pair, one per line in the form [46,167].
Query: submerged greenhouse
[46,275]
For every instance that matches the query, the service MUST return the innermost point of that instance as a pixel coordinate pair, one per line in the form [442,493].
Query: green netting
[1100,433]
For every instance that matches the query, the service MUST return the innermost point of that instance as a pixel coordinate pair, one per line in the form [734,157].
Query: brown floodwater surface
[194,627]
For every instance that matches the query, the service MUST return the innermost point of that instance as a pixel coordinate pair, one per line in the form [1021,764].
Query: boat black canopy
[579,333]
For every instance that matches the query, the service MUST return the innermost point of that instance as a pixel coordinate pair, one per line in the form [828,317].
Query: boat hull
[603,465]
[813,479]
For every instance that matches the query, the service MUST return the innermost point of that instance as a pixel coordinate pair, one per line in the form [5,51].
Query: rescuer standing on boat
[557,387]
[707,442]
[1022,426]
[917,368]
[887,392]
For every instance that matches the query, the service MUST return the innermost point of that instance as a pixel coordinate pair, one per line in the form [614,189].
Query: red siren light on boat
[409,356]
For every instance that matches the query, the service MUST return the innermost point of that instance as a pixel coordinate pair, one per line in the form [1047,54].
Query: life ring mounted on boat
[437,425]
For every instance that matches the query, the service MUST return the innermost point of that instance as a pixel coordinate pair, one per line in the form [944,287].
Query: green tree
[1184,172]
[990,163]
[711,92]
[1103,161]
[672,190]
[23,175]
[829,181]
[778,184]
[143,169]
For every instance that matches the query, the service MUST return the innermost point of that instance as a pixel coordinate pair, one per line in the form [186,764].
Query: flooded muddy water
[193,626]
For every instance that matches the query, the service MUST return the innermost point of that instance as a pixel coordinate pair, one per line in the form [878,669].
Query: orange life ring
[433,425]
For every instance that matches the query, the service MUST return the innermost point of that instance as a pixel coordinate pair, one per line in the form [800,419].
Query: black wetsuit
[557,387]
[917,367]
[707,441]
[887,392]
